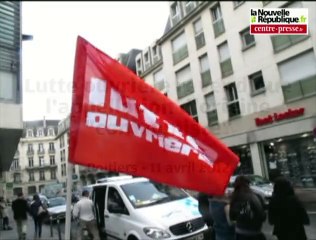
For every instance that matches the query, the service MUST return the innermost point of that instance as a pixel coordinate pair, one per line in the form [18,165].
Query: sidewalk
[13,234]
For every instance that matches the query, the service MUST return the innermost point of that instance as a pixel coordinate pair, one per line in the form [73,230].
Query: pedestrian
[38,212]
[84,211]
[20,210]
[247,211]
[204,209]
[286,212]
[4,214]
[223,227]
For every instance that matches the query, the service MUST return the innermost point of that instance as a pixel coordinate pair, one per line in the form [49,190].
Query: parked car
[258,184]
[57,208]
[137,208]
[43,198]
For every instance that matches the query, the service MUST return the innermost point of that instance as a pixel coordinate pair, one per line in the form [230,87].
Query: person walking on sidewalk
[38,211]
[247,210]
[286,212]
[20,210]
[84,210]
[4,214]
[224,229]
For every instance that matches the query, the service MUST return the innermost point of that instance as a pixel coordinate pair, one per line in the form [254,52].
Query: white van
[138,209]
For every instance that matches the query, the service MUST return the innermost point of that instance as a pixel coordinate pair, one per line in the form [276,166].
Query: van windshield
[142,194]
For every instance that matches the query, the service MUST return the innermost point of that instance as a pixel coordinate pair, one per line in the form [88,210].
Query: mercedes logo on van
[189,226]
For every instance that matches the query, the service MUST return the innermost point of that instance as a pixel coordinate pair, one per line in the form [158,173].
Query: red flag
[120,123]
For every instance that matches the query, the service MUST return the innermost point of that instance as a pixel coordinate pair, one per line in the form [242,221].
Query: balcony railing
[300,89]
[180,54]
[219,27]
[199,40]
[40,151]
[16,169]
[37,167]
[30,152]
[160,85]
[206,78]
[185,89]
[51,151]
[226,68]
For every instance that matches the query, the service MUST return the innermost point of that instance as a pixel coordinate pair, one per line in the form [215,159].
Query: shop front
[293,157]
[244,154]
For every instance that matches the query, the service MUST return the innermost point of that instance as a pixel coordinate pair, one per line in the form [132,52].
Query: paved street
[13,235]
[46,233]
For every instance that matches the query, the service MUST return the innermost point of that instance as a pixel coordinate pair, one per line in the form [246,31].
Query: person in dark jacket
[224,229]
[37,215]
[286,212]
[20,210]
[247,211]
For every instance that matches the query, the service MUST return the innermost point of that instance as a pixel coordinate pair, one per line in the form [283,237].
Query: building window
[17,177]
[175,14]
[40,148]
[52,174]
[7,79]
[218,23]
[189,6]
[31,190]
[41,161]
[147,62]
[139,66]
[256,83]
[247,39]
[31,176]
[211,109]
[62,141]
[51,147]
[30,148]
[225,60]
[199,34]
[237,3]
[190,108]
[154,49]
[159,80]
[184,82]
[15,165]
[63,155]
[52,160]
[179,48]
[281,42]
[232,100]
[205,71]
[63,169]
[298,76]
[51,132]
[42,175]
[31,162]
[40,132]
[29,133]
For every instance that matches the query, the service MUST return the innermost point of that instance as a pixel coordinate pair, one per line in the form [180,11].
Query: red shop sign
[290,113]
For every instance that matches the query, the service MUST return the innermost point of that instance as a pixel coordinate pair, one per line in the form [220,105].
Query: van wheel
[132,238]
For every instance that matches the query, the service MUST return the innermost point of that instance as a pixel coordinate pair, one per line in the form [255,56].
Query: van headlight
[156,233]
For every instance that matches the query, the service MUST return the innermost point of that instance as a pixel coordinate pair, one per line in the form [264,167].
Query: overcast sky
[113,27]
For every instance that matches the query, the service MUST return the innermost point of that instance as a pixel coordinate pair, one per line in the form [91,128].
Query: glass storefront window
[293,157]
[244,154]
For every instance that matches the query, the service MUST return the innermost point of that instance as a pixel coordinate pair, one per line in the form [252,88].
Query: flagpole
[68,198]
